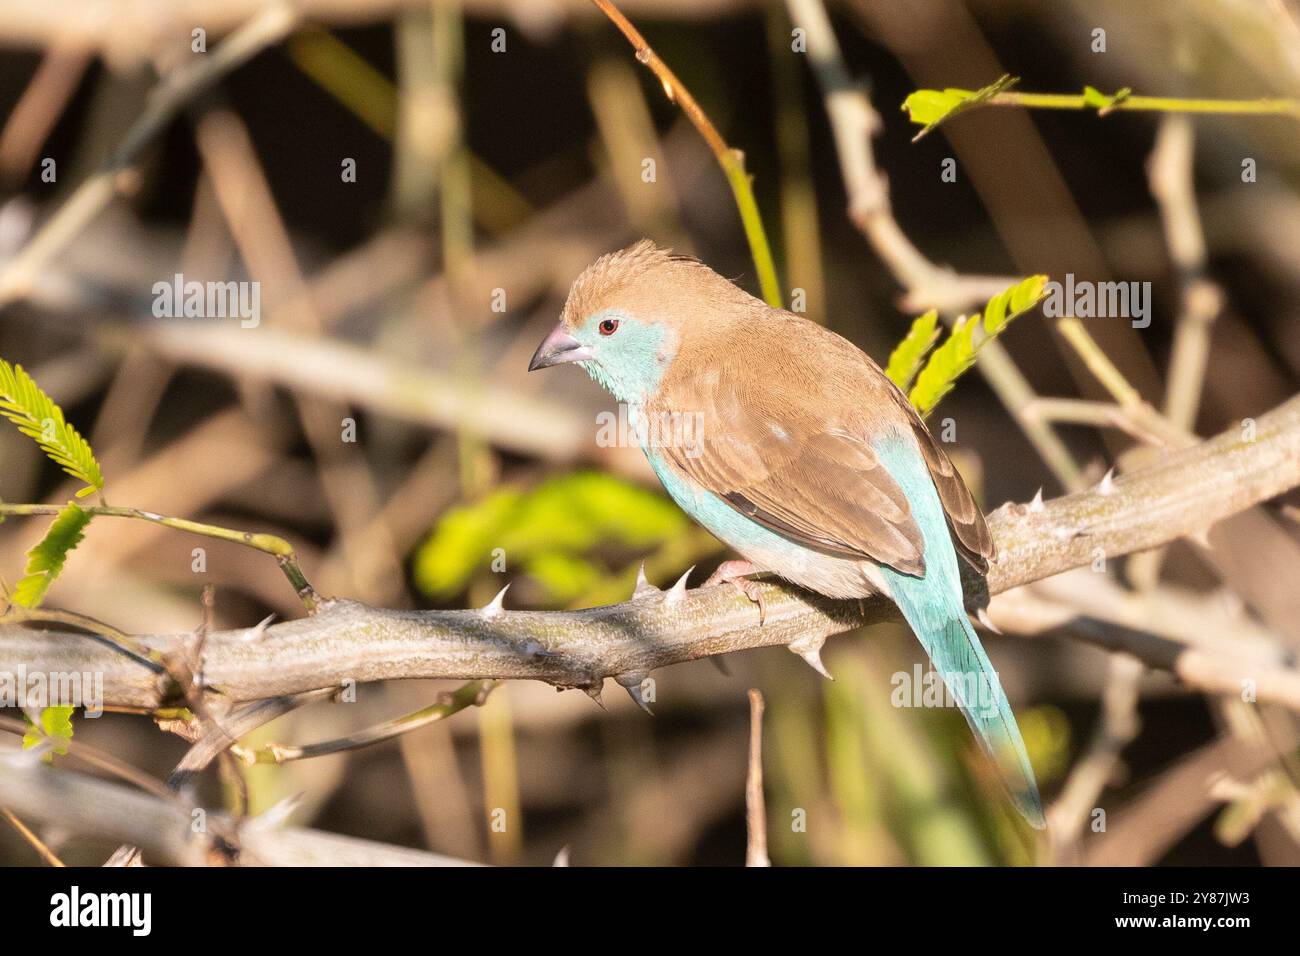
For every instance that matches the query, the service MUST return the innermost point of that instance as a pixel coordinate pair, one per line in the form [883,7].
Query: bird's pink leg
[734,573]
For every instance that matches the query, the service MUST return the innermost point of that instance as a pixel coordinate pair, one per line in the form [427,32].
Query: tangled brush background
[408,190]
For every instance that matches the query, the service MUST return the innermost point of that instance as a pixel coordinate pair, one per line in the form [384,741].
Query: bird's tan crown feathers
[656,284]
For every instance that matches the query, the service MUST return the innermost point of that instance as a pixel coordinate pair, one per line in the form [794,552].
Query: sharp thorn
[721,665]
[1036,505]
[496,605]
[632,684]
[1202,537]
[811,651]
[643,586]
[1107,484]
[983,615]
[561,858]
[257,630]
[678,590]
[635,694]
[594,689]
[278,815]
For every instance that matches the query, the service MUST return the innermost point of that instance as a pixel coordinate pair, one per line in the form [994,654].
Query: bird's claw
[734,573]
[754,591]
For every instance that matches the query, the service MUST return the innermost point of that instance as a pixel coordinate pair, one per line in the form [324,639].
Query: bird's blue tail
[933,607]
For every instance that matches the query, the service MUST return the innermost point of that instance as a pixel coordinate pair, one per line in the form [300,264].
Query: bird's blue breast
[712,512]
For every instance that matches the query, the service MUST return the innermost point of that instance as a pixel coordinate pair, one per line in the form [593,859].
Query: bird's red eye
[608,326]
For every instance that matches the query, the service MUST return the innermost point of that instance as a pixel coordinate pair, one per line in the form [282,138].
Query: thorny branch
[1180,495]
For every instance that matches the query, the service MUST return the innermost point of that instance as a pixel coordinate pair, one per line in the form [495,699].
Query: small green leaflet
[37,417]
[958,353]
[905,361]
[1101,102]
[56,726]
[45,561]
[929,108]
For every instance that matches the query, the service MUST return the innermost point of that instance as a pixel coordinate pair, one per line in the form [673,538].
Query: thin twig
[1169,172]
[731,160]
[471,694]
[1152,429]
[215,742]
[1172,804]
[1267,106]
[1098,362]
[853,123]
[100,760]
[270,544]
[921,108]
[755,807]
[37,844]
[38,109]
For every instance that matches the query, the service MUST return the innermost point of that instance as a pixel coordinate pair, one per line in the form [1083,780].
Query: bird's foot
[734,573]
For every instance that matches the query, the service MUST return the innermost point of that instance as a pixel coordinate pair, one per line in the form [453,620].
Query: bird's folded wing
[800,471]
[964,516]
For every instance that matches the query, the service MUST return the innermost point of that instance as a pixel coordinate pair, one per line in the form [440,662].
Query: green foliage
[1099,101]
[55,725]
[1046,730]
[957,354]
[929,108]
[45,561]
[905,361]
[551,532]
[37,417]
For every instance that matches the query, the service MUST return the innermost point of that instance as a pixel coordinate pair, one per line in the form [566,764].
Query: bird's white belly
[824,573]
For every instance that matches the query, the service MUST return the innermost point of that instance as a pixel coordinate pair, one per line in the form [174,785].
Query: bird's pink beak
[556,349]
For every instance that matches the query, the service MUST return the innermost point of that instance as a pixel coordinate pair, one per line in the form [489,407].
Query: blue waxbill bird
[804,458]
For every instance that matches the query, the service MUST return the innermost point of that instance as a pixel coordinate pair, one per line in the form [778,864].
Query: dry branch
[166,830]
[1182,494]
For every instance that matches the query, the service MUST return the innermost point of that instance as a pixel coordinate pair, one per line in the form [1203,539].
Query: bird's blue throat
[630,363]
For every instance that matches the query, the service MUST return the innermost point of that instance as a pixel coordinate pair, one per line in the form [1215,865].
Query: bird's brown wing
[970,532]
[794,452]
[782,457]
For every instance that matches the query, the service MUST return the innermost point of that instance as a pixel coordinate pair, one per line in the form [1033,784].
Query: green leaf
[957,354]
[461,541]
[547,532]
[1100,101]
[37,417]
[45,561]
[929,108]
[588,508]
[55,725]
[564,576]
[906,359]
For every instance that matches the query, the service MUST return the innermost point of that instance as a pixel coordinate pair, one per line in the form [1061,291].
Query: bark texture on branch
[1182,494]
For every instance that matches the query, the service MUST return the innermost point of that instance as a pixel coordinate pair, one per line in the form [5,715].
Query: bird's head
[629,314]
